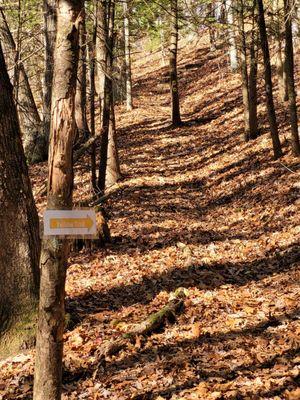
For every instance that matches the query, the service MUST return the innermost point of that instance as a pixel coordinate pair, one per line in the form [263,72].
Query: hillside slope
[197,208]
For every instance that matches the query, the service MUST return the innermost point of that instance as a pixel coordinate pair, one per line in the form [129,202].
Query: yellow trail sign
[65,223]
[70,223]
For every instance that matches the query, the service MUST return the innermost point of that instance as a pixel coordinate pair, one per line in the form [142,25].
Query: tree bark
[253,131]
[289,64]
[106,11]
[231,36]
[30,122]
[211,28]
[92,60]
[80,98]
[175,107]
[280,57]
[113,172]
[268,81]
[244,71]
[50,21]
[20,243]
[49,347]
[127,46]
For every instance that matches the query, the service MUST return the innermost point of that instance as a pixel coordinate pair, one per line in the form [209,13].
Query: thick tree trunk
[20,244]
[127,46]
[33,139]
[268,81]
[80,98]
[231,36]
[49,347]
[289,60]
[175,107]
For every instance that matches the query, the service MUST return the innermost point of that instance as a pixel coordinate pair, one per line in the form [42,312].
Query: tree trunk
[30,122]
[80,98]
[127,46]
[280,58]
[49,347]
[253,122]
[289,60]
[20,244]
[92,59]
[231,36]
[268,81]
[105,14]
[50,20]
[211,28]
[113,173]
[244,71]
[175,109]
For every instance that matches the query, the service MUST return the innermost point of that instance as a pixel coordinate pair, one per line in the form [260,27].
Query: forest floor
[197,208]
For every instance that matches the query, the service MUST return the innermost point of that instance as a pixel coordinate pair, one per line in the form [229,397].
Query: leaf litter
[197,209]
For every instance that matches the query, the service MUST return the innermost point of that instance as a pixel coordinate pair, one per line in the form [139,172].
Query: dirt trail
[198,208]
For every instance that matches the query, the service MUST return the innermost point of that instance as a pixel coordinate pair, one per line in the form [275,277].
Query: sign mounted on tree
[70,223]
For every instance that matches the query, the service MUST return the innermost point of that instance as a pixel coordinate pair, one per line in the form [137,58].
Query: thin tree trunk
[30,122]
[211,28]
[50,21]
[231,36]
[92,59]
[253,122]
[80,98]
[268,81]
[105,17]
[113,172]
[49,347]
[280,57]
[175,107]
[127,46]
[20,244]
[289,60]
[244,71]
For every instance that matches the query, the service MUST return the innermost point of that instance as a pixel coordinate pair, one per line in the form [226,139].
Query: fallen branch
[145,328]
[159,319]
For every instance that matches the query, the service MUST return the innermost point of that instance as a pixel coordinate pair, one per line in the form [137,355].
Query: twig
[294,172]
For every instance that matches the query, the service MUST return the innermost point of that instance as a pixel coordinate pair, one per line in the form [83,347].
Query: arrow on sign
[66,223]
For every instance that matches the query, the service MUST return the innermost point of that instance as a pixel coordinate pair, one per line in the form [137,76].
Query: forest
[149,199]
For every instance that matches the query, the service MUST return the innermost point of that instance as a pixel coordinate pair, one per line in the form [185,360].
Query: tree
[231,36]
[249,90]
[280,56]
[289,60]
[92,60]
[106,19]
[32,135]
[49,347]
[50,20]
[80,98]
[268,81]
[20,244]
[127,47]
[175,109]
